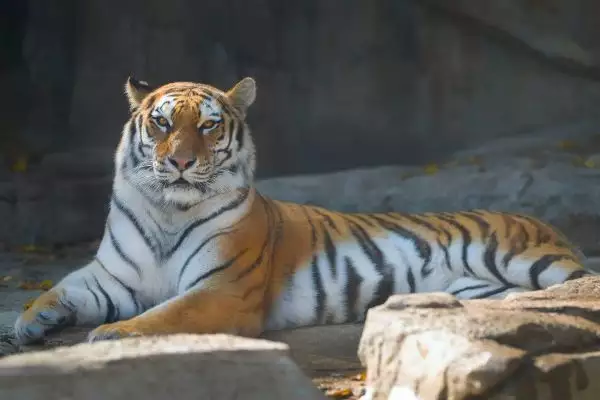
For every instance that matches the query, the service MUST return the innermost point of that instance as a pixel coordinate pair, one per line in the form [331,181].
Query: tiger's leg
[195,311]
[475,288]
[89,295]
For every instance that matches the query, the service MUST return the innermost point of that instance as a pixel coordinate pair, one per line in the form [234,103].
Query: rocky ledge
[537,345]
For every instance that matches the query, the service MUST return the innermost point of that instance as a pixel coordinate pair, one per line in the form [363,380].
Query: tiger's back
[345,263]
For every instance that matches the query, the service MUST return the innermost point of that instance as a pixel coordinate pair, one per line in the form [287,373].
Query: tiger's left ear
[136,91]
[243,94]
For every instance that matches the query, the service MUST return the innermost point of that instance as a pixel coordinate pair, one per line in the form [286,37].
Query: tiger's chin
[183,194]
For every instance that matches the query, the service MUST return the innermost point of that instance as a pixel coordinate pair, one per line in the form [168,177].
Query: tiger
[191,246]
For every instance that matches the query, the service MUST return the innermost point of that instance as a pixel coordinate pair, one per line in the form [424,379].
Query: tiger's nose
[182,163]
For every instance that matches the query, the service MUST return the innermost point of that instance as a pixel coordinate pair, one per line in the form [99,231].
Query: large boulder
[185,367]
[537,345]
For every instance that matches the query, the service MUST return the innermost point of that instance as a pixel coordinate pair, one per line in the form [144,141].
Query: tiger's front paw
[117,330]
[49,313]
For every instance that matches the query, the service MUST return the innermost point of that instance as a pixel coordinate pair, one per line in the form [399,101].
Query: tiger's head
[187,142]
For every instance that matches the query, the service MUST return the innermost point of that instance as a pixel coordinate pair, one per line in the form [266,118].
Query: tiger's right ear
[136,91]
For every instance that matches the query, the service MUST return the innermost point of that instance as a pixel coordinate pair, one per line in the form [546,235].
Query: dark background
[341,84]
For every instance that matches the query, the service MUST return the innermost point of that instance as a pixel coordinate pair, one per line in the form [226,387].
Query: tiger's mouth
[180,183]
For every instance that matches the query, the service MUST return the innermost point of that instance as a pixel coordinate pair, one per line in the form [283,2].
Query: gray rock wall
[342,84]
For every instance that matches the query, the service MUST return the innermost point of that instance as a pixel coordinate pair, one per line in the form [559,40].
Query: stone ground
[328,355]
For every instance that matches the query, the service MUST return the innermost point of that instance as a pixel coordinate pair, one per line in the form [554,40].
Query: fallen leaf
[567,144]
[28,304]
[475,160]
[20,165]
[43,285]
[29,248]
[360,377]
[590,164]
[431,169]
[46,284]
[6,278]
[339,393]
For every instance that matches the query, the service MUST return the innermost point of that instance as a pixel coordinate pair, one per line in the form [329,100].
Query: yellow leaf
[340,393]
[431,169]
[46,284]
[567,144]
[29,248]
[590,164]
[20,165]
[28,304]
[360,377]
[475,160]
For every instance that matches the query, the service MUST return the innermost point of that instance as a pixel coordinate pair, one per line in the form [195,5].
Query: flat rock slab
[180,366]
[541,345]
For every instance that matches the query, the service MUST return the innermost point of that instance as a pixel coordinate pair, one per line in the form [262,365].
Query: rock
[79,163]
[534,345]
[185,366]
[431,81]
[546,27]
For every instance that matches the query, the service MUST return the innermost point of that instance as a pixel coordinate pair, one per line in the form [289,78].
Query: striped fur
[191,246]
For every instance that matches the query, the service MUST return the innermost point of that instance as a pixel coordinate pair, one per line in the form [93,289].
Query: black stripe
[330,251]
[352,289]
[446,255]
[493,292]
[482,224]
[542,264]
[320,295]
[228,207]
[361,217]
[421,245]
[466,236]
[129,214]
[256,262]
[578,274]
[415,219]
[140,145]
[196,251]
[213,271]
[131,148]
[239,133]
[132,295]
[120,252]
[472,287]
[368,246]
[518,244]
[508,221]
[96,299]
[327,219]
[410,279]
[112,312]
[489,259]
[385,286]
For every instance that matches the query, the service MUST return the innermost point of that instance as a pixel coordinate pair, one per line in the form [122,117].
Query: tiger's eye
[162,121]
[208,124]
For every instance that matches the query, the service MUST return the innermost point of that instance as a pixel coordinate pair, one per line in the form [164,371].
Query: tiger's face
[194,136]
